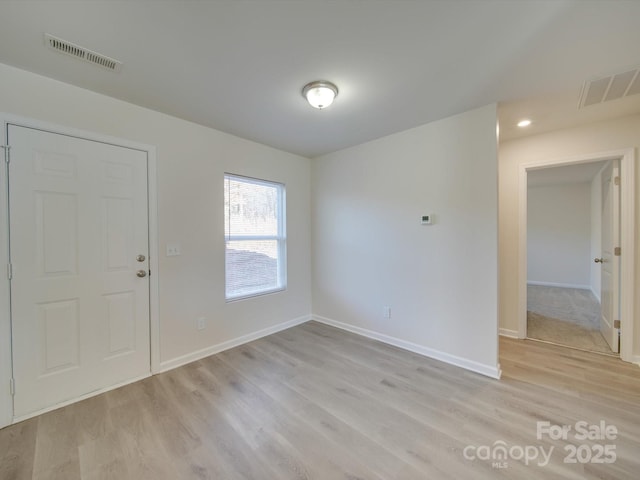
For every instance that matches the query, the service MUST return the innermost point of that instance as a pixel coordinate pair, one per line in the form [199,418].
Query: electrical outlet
[173,250]
[200,324]
[386,311]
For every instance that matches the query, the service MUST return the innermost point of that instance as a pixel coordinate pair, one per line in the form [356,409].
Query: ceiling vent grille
[81,53]
[611,87]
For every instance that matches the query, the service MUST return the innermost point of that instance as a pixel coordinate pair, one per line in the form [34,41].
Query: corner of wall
[492,371]
[235,342]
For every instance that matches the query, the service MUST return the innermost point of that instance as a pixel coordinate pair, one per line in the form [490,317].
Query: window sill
[261,293]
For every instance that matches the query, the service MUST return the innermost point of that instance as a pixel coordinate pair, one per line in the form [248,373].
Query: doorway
[552,283]
[566,219]
[79,217]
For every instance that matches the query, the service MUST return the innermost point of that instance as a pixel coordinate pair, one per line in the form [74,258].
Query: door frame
[627,238]
[6,354]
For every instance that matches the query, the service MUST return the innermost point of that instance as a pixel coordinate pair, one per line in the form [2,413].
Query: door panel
[120,323]
[56,234]
[58,329]
[117,233]
[78,218]
[610,265]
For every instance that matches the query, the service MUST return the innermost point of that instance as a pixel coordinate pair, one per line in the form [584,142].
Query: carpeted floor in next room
[567,316]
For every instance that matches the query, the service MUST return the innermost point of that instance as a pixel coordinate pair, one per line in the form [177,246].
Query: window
[255,239]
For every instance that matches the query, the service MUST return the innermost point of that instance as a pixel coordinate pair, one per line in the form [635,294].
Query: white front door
[78,231]
[610,263]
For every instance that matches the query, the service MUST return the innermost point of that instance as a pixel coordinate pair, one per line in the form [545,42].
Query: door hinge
[12,386]
[6,149]
[616,324]
[616,251]
[616,181]
[9,271]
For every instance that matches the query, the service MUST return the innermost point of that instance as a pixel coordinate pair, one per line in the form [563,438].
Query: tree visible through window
[254,227]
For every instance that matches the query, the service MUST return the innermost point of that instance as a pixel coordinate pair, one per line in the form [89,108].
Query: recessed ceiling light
[524,123]
[320,94]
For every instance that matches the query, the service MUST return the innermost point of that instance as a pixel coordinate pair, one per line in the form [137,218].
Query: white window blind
[254,227]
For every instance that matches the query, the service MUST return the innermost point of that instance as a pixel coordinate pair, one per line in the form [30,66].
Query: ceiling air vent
[82,53]
[611,87]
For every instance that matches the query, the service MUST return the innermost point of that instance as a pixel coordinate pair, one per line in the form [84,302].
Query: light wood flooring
[314,402]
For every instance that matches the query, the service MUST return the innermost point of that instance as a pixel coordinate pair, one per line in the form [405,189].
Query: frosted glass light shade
[320,94]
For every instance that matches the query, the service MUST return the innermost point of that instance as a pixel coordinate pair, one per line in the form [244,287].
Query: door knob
[141,258]
[598,260]
[141,273]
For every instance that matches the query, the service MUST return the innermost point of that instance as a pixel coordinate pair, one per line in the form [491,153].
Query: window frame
[280,237]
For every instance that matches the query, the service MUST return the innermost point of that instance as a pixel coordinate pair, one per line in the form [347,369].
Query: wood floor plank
[56,454]
[306,446]
[380,421]
[209,412]
[17,450]
[255,366]
[315,402]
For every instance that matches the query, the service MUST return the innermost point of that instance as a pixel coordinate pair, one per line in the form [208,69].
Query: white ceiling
[238,66]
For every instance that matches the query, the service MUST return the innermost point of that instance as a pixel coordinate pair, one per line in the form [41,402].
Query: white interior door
[610,263]
[78,222]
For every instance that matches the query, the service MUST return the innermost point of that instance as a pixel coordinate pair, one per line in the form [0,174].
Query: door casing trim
[627,238]
[6,369]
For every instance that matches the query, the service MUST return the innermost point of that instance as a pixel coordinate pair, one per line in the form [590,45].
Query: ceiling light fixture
[524,123]
[320,94]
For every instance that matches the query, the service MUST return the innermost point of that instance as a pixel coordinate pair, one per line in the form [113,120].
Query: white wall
[191,161]
[611,135]
[371,251]
[559,235]
[596,233]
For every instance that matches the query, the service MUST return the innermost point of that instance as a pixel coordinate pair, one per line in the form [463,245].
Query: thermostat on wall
[427,219]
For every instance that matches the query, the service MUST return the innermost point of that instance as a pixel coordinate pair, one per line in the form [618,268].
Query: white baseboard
[487,370]
[596,294]
[561,285]
[234,342]
[505,332]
